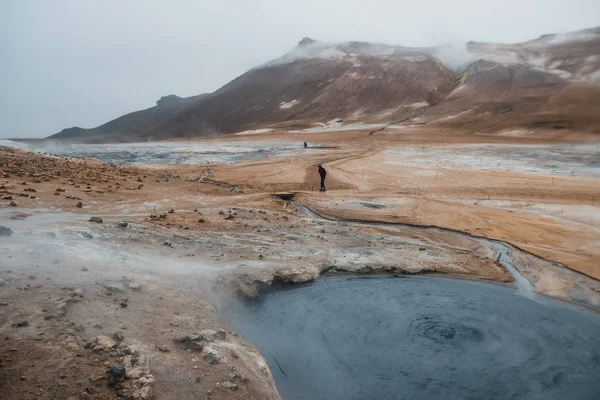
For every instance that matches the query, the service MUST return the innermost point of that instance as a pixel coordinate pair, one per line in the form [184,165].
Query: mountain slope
[165,106]
[552,82]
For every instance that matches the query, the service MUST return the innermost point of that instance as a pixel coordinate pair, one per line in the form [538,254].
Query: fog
[71,63]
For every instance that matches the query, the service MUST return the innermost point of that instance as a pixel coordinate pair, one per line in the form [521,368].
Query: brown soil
[250,237]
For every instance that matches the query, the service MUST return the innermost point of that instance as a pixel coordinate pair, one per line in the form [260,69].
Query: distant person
[323,174]
[305,145]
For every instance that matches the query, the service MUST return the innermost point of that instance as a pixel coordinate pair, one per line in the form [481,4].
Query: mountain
[135,121]
[552,82]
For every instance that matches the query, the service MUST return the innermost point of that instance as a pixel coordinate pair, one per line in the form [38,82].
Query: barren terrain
[175,240]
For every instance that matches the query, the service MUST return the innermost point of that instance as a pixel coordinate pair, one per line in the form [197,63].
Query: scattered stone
[122,224]
[260,257]
[32,277]
[87,235]
[422,249]
[29,190]
[13,204]
[5,231]
[98,326]
[229,217]
[22,324]
[60,190]
[104,342]
[229,385]
[118,336]
[163,216]
[164,349]
[78,292]
[201,220]
[211,356]
[221,213]
[116,374]
[194,342]
[171,211]
[84,269]
[96,219]
[79,204]
[124,303]
[168,244]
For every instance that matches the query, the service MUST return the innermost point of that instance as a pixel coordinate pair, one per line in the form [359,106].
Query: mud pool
[421,338]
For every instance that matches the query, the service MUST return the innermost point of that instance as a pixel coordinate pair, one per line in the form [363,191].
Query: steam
[454,56]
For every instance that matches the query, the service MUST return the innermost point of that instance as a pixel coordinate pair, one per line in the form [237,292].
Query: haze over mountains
[550,82]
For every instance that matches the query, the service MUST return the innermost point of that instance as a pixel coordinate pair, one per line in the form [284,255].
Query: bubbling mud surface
[421,337]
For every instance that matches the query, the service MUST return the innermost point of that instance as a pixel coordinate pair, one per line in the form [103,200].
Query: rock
[211,335]
[78,292]
[118,336]
[212,356]
[136,287]
[201,220]
[96,219]
[22,324]
[194,342]
[60,190]
[79,204]
[124,303]
[171,211]
[105,342]
[87,235]
[164,349]
[122,224]
[229,217]
[5,231]
[163,216]
[84,269]
[98,326]
[168,244]
[13,204]
[116,374]
[228,385]
[221,213]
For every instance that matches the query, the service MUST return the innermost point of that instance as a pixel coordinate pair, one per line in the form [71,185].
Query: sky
[67,63]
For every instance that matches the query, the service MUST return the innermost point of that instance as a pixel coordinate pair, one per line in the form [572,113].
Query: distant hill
[166,106]
[550,82]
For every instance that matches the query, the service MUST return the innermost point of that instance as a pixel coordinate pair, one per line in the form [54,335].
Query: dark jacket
[322,172]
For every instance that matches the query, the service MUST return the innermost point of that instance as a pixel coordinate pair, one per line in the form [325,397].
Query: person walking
[323,174]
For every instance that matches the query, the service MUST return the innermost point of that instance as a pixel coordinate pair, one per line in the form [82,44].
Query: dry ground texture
[65,281]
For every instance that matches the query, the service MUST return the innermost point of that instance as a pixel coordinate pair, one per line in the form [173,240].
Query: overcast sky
[81,63]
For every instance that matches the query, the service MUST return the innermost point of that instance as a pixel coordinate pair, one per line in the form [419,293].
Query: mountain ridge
[361,82]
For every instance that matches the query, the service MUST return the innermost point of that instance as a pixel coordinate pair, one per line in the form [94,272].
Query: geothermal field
[434,266]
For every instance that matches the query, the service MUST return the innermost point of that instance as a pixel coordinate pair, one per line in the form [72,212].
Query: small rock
[5,231]
[163,216]
[164,349]
[78,292]
[13,204]
[136,287]
[229,385]
[84,269]
[212,357]
[201,220]
[22,324]
[122,224]
[118,336]
[116,374]
[96,219]
[105,342]
[171,211]
[229,217]
[79,204]
[194,342]
[87,235]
